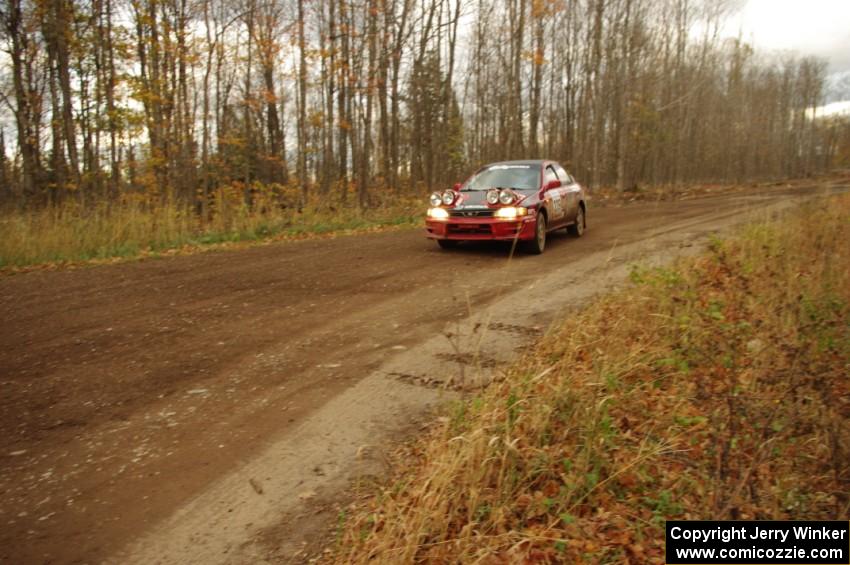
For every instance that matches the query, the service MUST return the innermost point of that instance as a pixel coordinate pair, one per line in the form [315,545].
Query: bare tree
[187,99]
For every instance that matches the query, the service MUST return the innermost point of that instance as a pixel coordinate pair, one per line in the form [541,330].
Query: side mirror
[458,185]
[552,184]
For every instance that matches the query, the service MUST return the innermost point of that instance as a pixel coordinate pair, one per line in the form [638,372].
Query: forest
[293,103]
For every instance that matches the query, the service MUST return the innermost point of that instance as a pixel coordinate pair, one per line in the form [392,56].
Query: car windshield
[521,177]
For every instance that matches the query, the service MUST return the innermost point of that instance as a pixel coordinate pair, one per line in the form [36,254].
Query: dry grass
[69,233]
[715,389]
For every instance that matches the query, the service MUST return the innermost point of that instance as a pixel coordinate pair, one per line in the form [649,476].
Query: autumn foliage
[715,389]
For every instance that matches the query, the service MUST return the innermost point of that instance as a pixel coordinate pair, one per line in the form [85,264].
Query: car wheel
[538,244]
[577,229]
[447,243]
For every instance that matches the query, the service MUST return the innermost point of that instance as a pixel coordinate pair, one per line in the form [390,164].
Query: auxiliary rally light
[506,197]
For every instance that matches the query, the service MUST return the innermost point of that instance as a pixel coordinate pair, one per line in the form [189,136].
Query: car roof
[529,162]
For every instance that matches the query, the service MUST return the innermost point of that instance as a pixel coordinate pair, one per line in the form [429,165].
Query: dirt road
[136,398]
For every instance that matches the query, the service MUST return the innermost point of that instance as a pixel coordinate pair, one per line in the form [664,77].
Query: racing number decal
[558,205]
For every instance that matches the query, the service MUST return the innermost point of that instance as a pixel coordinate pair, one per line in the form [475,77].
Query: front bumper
[481,228]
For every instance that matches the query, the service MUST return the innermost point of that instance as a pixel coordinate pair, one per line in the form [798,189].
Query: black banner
[758,542]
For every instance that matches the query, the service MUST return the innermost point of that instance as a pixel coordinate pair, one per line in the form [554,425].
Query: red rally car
[520,200]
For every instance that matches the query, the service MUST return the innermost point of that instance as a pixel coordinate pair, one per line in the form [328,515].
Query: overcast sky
[810,27]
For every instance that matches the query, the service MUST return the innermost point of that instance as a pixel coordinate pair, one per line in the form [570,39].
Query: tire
[538,244]
[447,243]
[577,229]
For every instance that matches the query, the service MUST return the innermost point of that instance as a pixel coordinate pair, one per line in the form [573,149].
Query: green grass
[713,389]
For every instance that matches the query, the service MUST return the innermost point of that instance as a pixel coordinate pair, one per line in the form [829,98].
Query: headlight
[492,197]
[436,199]
[438,213]
[506,197]
[448,197]
[511,212]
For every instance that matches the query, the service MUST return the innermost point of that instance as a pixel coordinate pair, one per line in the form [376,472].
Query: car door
[555,197]
[571,193]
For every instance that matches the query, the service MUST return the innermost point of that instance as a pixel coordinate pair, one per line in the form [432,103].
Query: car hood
[478,198]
